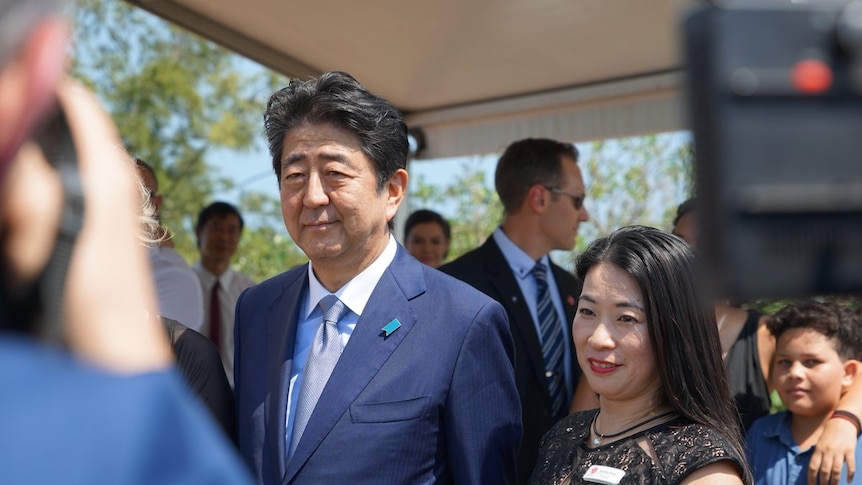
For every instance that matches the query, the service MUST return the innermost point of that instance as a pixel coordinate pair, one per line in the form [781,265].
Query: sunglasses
[577,200]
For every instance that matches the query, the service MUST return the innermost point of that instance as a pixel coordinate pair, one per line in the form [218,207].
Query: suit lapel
[281,324]
[503,281]
[365,353]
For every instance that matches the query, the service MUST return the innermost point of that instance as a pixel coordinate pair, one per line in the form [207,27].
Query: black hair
[681,323]
[527,162]
[337,98]
[689,205]
[835,321]
[218,208]
[424,215]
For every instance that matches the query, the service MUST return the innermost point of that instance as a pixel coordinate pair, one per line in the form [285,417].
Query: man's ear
[29,80]
[396,188]
[537,199]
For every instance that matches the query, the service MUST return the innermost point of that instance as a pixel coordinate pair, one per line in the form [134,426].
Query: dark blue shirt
[776,459]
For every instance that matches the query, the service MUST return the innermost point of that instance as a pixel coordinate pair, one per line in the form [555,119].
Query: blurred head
[642,306]
[218,229]
[150,233]
[427,236]
[685,221]
[148,177]
[818,345]
[32,61]
[540,184]
[340,154]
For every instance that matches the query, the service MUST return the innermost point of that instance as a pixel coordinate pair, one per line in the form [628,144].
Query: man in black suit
[542,191]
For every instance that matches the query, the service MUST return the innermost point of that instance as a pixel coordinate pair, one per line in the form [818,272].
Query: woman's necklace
[599,437]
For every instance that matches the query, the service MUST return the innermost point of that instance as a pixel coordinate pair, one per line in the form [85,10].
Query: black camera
[775,103]
[38,310]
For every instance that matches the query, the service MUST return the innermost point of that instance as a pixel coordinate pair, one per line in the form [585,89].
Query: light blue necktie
[324,354]
[552,341]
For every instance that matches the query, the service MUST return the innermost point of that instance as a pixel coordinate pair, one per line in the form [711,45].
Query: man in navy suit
[542,191]
[412,382]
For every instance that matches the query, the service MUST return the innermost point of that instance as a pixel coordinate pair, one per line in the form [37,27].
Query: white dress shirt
[178,289]
[232,284]
[355,295]
[522,266]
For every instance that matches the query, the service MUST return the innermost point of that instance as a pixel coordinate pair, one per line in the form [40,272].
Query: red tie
[215,317]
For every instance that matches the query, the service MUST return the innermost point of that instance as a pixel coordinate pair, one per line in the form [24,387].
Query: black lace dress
[681,447]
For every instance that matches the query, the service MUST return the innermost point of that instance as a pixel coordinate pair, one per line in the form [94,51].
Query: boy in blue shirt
[818,348]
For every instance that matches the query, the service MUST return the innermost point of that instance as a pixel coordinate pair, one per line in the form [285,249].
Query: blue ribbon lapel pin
[391,327]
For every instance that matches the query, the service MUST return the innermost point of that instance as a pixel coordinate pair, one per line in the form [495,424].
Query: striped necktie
[552,342]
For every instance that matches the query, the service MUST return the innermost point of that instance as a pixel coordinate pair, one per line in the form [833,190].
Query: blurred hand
[110,303]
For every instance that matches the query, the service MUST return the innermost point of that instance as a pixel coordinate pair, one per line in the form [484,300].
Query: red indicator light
[811,76]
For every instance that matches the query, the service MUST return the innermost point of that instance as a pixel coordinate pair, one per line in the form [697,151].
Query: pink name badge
[604,474]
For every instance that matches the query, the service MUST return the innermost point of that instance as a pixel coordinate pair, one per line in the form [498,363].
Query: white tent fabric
[472,75]
[609,110]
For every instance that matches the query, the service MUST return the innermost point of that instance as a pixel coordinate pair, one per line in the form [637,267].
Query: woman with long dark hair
[647,343]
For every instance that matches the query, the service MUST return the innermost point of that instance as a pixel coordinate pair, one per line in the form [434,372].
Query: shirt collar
[210,278]
[520,262]
[779,428]
[356,292]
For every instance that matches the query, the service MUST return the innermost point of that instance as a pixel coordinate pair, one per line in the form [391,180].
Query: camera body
[775,103]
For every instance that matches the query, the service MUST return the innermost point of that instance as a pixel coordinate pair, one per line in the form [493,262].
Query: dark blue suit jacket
[486,269]
[433,403]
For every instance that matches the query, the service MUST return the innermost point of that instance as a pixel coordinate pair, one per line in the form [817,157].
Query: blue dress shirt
[776,459]
[522,266]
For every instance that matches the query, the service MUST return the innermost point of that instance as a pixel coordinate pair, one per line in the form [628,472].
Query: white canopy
[472,75]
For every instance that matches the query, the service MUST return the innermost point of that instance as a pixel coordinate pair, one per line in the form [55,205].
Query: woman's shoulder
[682,433]
[684,446]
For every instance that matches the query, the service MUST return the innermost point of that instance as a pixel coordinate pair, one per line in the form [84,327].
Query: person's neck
[526,237]
[616,415]
[806,430]
[217,268]
[337,272]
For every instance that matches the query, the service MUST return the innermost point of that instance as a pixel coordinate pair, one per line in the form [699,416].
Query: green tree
[478,210]
[177,98]
[469,202]
[637,180]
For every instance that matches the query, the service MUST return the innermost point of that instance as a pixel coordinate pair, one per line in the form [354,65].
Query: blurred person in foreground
[817,358]
[748,349]
[647,343]
[90,394]
[365,366]
[427,236]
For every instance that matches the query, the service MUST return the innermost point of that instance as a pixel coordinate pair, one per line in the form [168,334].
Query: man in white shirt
[178,291]
[218,230]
